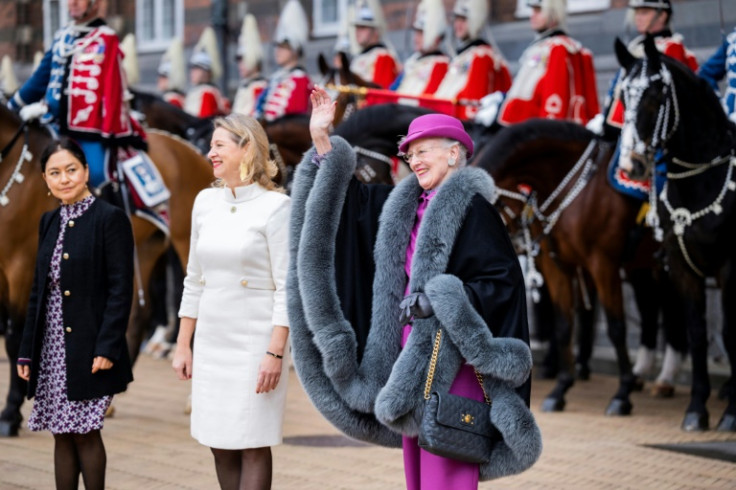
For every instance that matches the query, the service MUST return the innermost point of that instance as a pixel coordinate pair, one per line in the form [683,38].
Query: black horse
[668,109]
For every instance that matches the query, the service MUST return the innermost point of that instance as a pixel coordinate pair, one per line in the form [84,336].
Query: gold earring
[48,193]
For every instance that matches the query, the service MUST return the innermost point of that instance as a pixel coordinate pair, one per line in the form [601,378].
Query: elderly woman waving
[384,279]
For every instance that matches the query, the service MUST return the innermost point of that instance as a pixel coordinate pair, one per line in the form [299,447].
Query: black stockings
[243,469]
[75,453]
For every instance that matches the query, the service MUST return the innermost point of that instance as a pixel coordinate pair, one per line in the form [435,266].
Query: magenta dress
[424,470]
[52,409]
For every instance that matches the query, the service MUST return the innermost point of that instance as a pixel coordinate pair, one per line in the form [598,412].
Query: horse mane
[173,136]
[510,140]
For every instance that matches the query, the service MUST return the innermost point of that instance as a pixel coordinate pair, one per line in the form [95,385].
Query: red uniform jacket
[556,80]
[376,64]
[474,72]
[423,73]
[205,100]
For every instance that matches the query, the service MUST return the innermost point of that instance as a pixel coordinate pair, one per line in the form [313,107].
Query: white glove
[33,111]
[732,117]
[488,110]
[595,125]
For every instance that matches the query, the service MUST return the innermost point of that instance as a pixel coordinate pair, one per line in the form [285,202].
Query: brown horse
[183,169]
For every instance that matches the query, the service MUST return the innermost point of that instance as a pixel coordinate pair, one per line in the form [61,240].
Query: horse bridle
[531,211]
[25,155]
[633,89]
[681,217]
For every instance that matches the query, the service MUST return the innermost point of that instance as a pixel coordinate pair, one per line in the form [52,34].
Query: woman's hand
[269,374]
[182,363]
[99,363]
[323,113]
[24,372]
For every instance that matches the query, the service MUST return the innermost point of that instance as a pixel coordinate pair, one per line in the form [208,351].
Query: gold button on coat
[244,283]
[71,223]
[67,293]
[65,256]
[68,329]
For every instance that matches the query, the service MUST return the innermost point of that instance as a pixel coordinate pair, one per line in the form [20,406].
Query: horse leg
[728,289]
[586,330]
[149,248]
[647,302]
[10,418]
[608,283]
[544,326]
[560,289]
[675,333]
[696,415]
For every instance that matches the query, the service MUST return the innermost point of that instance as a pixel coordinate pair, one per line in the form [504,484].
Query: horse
[670,111]
[24,199]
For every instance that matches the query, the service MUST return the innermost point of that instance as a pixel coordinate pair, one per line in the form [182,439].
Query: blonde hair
[256,166]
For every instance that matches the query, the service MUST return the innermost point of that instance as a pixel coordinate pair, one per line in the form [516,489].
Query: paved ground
[149,446]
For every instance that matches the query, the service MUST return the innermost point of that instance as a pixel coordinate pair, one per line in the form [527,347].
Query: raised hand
[323,113]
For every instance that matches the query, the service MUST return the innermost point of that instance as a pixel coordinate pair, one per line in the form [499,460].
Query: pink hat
[437,126]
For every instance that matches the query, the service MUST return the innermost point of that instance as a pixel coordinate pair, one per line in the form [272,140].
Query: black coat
[97,293]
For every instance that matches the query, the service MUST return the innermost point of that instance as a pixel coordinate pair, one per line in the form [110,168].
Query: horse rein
[584,169]
[16,176]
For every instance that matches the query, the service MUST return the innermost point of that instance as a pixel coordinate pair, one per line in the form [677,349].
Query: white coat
[235,288]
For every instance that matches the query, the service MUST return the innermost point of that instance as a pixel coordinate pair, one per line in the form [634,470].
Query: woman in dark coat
[73,352]
[443,271]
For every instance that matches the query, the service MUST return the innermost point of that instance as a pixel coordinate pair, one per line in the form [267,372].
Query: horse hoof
[9,428]
[727,423]
[619,407]
[553,404]
[663,390]
[582,372]
[695,422]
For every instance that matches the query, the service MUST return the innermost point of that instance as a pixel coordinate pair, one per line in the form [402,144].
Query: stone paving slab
[149,446]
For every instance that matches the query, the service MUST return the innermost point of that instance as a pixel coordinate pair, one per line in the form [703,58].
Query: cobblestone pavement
[149,446]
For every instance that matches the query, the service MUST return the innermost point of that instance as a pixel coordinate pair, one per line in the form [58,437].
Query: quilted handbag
[453,426]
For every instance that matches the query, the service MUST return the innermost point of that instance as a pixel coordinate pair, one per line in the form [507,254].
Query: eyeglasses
[420,154]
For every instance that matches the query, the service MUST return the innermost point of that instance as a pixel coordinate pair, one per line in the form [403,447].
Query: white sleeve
[277,237]
[193,284]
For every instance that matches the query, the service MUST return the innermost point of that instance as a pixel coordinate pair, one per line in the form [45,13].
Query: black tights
[243,469]
[75,453]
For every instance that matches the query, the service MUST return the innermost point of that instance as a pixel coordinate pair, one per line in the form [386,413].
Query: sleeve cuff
[22,361]
[317,159]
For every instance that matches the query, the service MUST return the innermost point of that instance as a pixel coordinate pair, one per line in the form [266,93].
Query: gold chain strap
[433,366]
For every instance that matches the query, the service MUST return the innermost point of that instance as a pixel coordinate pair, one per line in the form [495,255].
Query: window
[157,22]
[573,6]
[326,16]
[55,15]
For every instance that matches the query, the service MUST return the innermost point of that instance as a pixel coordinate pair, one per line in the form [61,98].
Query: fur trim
[308,360]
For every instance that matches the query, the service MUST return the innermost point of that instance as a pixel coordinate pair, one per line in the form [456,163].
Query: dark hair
[63,143]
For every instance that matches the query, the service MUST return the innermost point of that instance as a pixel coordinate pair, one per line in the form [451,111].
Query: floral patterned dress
[52,409]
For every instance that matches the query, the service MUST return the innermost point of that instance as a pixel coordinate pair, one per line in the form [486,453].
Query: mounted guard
[377,61]
[172,78]
[427,66]
[556,78]
[204,99]
[79,89]
[288,88]
[477,69]
[250,61]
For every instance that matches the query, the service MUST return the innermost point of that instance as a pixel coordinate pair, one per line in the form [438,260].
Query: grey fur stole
[383,394]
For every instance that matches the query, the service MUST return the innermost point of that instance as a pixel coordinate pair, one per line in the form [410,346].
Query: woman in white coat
[234,295]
